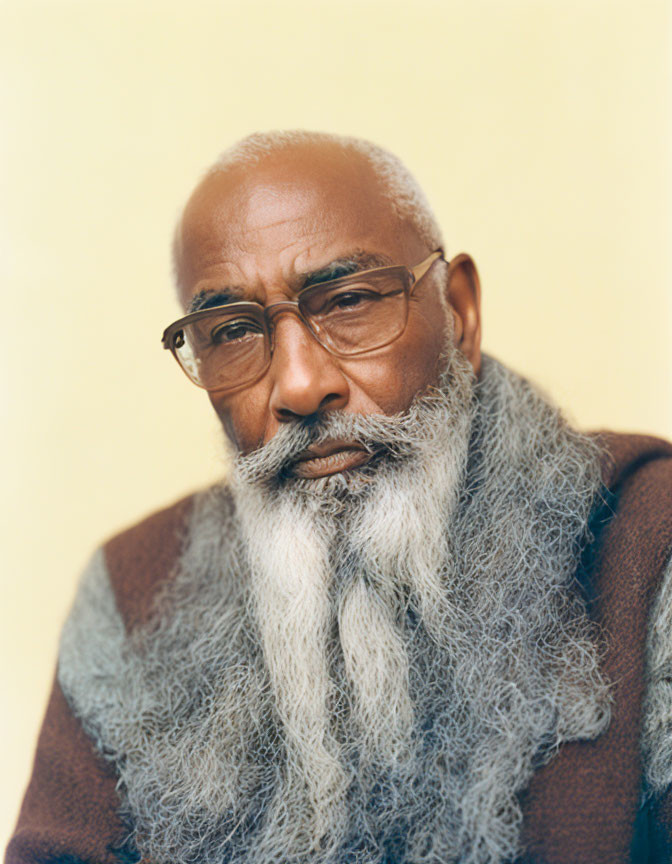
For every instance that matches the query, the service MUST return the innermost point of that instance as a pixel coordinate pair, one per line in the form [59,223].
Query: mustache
[396,436]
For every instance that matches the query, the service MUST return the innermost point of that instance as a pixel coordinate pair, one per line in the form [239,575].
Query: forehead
[261,226]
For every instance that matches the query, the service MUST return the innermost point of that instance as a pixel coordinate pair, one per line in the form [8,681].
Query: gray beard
[370,666]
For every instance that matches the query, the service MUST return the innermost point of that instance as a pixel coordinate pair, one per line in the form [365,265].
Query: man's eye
[234,331]
[351,299]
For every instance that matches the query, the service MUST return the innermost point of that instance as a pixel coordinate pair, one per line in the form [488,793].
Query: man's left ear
[463,293]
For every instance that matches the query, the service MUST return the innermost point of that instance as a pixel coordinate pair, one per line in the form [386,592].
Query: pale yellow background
[541,131]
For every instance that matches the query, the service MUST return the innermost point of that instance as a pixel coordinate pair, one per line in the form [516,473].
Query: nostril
[328,401]
[287,416]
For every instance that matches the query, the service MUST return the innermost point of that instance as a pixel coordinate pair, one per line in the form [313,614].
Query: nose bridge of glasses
[274,310]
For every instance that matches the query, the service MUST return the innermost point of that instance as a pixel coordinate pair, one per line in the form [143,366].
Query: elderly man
[425,621]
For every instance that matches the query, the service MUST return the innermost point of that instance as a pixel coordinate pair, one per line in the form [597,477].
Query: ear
[463,293]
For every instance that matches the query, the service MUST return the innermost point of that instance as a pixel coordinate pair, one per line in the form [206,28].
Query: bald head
[349,164]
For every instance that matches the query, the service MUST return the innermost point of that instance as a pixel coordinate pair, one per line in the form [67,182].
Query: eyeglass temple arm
[420,269]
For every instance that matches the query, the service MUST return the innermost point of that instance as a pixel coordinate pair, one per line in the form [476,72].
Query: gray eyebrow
[339,267]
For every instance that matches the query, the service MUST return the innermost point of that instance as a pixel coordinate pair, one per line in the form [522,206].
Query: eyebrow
[354,262]
[209,297]
[345,266]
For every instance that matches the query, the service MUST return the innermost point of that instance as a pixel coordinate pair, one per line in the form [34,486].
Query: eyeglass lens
[230,348]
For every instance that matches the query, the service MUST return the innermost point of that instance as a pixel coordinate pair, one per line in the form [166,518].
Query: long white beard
[384,657]
[336,565]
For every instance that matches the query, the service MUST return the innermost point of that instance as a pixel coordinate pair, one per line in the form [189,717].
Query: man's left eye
[350,299]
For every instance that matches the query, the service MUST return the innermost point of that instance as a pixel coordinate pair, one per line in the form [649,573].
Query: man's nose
[307,379]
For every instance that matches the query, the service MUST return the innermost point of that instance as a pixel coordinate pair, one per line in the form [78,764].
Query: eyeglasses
[226,348]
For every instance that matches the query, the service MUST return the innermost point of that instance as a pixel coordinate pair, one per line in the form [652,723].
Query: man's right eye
[234,331]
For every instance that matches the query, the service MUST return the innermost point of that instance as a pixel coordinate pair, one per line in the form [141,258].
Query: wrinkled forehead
[298,207]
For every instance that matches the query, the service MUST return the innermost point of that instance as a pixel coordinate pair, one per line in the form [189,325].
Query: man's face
[259,234]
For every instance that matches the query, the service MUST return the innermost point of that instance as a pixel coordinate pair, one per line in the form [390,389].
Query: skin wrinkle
[396,183]
[351,691]
[343,266]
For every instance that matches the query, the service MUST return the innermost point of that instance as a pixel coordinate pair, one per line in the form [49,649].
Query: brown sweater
[580,808]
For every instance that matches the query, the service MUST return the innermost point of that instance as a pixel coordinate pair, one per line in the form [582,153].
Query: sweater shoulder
[626,454]
[637,471]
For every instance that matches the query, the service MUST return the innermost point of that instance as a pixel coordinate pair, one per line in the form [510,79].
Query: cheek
[417,370]
[392,379]
[417,360]
[243,416]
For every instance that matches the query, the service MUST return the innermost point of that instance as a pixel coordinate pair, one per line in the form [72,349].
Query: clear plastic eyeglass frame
[176,337]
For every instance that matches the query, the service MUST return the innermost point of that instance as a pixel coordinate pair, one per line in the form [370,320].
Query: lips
[329,458]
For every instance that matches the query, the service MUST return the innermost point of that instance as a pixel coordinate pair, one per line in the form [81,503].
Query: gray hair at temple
[398,184]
